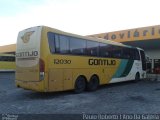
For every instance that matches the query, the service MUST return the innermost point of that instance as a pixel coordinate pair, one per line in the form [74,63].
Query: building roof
[143,37]
[8,48]
[131,35]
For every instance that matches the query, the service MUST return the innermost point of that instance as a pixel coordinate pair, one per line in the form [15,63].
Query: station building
[147,38]
[8,49]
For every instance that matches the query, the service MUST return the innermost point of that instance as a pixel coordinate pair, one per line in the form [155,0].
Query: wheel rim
[93,83]
[80,85]
[137,77]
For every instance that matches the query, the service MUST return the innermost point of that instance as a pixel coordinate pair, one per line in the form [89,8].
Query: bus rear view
[49,60]
[29,66]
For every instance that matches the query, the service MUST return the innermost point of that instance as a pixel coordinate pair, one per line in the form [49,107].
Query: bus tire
[80,84]
[137,77]
[93,83]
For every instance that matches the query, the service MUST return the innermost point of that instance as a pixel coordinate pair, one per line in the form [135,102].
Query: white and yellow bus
[50,60]
[7,62]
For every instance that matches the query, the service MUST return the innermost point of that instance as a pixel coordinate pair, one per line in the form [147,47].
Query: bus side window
[132,53]
[117,51]
[126,53]
[92,48]
[77,46]
[137,56]
[104,50]
[57,44]
[4,58]
[12,59]
[51,41]
[64,44]
[8,58]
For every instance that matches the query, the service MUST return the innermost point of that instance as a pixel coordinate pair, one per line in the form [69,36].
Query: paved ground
[121,98]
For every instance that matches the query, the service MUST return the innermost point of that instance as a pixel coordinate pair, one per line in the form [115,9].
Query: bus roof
[83,37]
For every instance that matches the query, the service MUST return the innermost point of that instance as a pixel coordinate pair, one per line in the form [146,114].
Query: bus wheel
[137,77]
[80,85]
[93,83]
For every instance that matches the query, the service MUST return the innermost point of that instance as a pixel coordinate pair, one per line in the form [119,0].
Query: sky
[83,17]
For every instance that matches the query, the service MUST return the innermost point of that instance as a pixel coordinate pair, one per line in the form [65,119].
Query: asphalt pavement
[141,97]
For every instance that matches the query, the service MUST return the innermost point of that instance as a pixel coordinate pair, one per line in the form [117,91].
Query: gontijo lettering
[27,54]
[101,62]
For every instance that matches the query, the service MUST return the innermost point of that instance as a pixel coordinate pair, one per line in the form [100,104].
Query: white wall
[153,54]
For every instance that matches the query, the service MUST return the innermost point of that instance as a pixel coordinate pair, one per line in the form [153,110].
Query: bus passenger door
[143,59]
[55,79]
[104,75]
[67,83]
[108,73]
